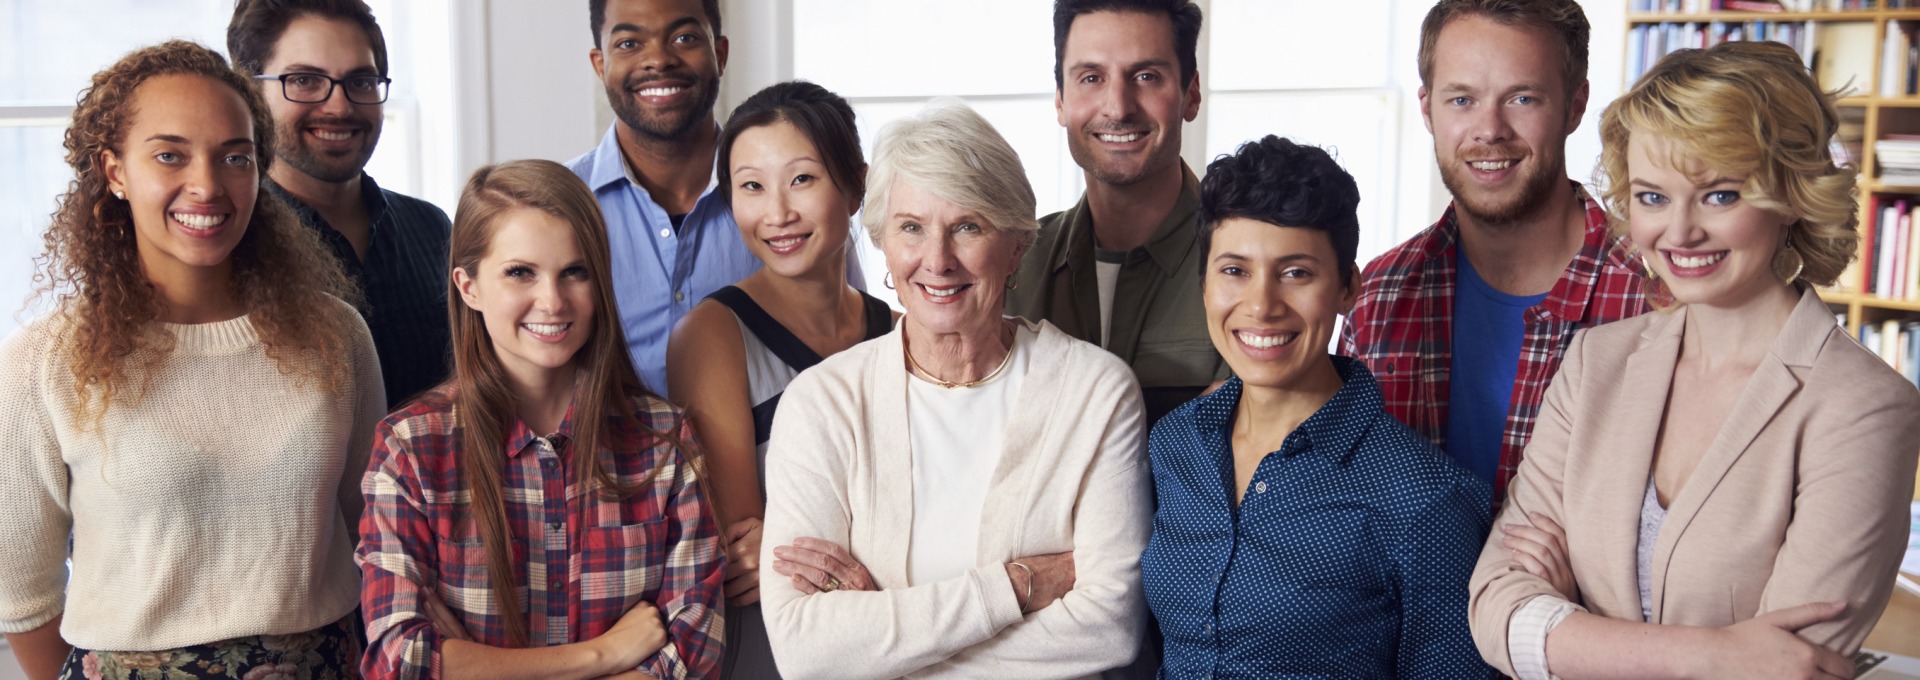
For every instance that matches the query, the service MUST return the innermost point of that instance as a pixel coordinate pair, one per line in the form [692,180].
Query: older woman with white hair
[967,495]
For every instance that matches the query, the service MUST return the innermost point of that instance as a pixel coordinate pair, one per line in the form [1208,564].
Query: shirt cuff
[1527,635]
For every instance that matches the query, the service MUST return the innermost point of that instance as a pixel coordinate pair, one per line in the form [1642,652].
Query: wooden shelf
[1636,18]
[1870,185]
[1847,297]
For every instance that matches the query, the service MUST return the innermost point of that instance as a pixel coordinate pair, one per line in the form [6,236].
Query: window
[50,49]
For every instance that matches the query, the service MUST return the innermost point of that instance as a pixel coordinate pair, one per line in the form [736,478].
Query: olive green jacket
[1159,326]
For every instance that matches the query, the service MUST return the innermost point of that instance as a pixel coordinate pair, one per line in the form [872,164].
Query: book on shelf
[1889,266]
[1844,59]
[1647,43]
[1897,343]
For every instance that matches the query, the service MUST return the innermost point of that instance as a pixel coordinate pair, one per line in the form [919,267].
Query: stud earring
[120,194]
[1012,284]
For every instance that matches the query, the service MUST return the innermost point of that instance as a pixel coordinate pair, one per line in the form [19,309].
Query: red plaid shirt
[1402,326]
[582,560]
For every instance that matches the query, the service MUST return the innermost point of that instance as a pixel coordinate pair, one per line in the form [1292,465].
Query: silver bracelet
[1025,568]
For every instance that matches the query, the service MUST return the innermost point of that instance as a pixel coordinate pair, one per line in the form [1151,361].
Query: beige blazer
[1072,475]
[1802,496]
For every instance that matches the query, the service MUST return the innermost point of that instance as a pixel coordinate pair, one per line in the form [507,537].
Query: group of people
[635,417]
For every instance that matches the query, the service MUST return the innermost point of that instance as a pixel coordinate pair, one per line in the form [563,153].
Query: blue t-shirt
[1488,326]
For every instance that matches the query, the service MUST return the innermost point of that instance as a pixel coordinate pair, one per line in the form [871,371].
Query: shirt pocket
[623,563]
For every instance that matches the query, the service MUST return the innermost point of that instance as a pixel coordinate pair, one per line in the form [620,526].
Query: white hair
[949,151]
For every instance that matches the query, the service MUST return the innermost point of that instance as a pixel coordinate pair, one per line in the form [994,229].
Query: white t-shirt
[957,434]
[1106,271]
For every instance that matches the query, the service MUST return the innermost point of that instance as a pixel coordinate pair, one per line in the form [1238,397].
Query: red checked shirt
[1402,326]
[582,560]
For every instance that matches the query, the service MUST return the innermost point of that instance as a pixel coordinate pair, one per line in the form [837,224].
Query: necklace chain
[949,384]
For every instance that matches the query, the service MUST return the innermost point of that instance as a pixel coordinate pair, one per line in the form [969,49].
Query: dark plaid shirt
[1402,326]
[582,559]
[404,278]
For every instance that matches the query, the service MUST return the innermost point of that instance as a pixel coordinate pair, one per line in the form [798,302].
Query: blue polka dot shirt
[1347,558]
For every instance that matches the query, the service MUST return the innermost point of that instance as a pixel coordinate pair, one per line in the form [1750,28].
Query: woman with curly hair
[189,423]
[1719,489]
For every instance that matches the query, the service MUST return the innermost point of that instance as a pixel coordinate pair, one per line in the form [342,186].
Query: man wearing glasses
[322,66]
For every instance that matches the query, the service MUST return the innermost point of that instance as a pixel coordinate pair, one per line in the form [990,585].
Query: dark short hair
[1276,181]
[257,25]
[597,17]
[824,117]
[1563,18]
[1183,13]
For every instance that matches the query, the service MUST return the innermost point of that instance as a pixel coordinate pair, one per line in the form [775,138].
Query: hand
[1541,550]
[1766,646]
[818,566]
[637,635]
[445,622]
[1053,576]
[743,562]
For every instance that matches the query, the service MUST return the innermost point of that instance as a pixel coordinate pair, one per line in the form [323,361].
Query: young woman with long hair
[189,422]
[790,167]
[537,515]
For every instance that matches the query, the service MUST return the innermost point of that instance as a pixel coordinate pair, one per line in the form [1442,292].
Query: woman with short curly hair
[1720,488]
[190,420]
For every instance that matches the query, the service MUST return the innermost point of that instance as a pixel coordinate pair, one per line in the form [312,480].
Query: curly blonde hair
[91,265]
[1753,110]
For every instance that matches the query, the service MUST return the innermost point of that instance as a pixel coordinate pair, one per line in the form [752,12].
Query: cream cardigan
[1073,476]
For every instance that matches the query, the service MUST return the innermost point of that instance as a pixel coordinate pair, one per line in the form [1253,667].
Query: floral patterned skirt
[330,652]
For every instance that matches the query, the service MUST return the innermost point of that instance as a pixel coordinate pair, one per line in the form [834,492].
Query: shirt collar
[1330,431]
[520,437]
[1170,241]
[609,165]
[1568,300]
[371,197]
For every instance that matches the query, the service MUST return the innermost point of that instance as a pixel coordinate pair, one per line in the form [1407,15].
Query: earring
[120,194]
[888,281]
[1651,274]
[1799,263]
[1012,284]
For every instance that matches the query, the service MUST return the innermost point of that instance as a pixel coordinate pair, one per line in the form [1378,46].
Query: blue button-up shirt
[660,273]
[1348,557]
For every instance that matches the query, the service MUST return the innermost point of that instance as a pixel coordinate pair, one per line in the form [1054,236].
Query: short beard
[668,127]
[1089,160]
[1536,191]
[291,148]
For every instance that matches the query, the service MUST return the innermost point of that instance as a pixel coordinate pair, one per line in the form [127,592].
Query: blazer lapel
[891,515]
[1773,384]
[1638,410]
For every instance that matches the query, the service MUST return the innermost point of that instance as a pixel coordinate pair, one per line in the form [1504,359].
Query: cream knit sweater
[222,504]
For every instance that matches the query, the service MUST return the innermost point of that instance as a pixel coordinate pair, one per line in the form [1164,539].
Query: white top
[221,505]
[1108,276]
[1528,629]
[957,437]
[1652,516]
[1072,476]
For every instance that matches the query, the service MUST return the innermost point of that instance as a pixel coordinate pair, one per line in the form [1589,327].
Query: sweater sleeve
[33,488]
[1098,625]
[809,461]
[369,395]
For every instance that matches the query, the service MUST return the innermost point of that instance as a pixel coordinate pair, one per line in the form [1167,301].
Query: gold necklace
[948,384]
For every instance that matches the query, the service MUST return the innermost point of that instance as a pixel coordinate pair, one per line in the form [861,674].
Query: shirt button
[548,464]
[558,584]
[554,526]
[1259,487]
[666,233]
[679,296]
[1208,629]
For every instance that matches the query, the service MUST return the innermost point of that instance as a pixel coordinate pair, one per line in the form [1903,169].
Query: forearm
[816,636]
[41,651]
[463,660]
[1103,625]
[1592,647]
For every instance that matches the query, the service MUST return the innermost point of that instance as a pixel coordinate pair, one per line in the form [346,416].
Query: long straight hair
[484,405]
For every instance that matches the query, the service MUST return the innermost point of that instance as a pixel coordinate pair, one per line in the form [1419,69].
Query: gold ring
[833,584]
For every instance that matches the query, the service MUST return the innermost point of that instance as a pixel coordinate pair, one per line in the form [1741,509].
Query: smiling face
[1273,295]
[949,264]
[535,292]
[661,65]
[1121,98]
[330,141]
[1700,236]
[188,169]
[791,213]
[1500,114]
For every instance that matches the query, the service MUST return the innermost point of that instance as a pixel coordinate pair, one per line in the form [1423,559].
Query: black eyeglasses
[314,88]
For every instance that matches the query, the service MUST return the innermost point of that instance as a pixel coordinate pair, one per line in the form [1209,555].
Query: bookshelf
[1846,43]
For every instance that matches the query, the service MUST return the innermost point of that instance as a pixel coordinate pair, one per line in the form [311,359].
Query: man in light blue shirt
[673,240]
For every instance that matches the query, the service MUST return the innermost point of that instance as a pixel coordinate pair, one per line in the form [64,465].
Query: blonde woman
[1720,488]
[194,413]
